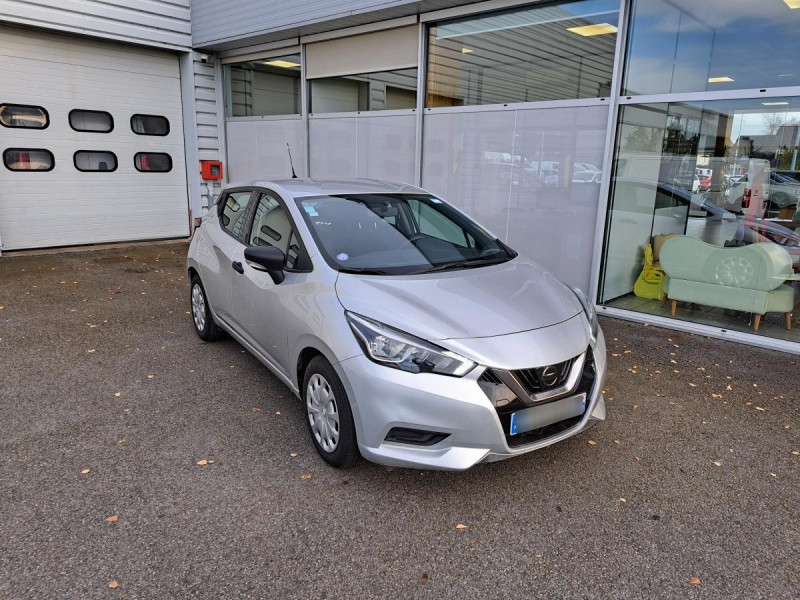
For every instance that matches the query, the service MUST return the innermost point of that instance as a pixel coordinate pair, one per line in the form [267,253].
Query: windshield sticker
[312,212]
[342,256]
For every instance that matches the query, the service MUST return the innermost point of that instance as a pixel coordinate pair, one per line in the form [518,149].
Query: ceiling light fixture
[775,103]
[792,3]
[284,64]
[599,29]
[719,79]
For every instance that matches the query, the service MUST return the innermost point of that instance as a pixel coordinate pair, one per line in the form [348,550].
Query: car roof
[301,188]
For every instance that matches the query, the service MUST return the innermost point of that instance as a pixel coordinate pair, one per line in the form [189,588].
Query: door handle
[237,266]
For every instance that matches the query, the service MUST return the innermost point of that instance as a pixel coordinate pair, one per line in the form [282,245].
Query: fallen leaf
[112,518]
[592,443]
[692,385]
[759,408]
[151,376]
[277,412]
[292,454]
[795,452]
[117,394]
[622,500]
[729,388]
[773,474]
[256,409]
[90,350]
[202,463]
[616,441]
[113,584]
[695,580]
[716,395]
[305,476]
[616,355]
[462,526]
[716,463]
[86,471]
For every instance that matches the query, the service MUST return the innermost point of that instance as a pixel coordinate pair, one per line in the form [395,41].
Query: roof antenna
[289,150]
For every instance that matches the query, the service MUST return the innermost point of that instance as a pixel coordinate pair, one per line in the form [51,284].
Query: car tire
[202,318]
[328,415]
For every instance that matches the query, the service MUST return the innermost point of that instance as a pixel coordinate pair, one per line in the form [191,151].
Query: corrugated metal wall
[207,117]
[216,21]
[165,23]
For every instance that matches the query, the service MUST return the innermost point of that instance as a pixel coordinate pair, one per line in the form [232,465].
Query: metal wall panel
[257,149]
[164,23]
[526,175]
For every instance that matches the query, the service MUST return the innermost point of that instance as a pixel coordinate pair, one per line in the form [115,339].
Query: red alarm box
[211,169]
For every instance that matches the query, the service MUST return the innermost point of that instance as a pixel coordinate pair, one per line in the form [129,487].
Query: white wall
[163,23]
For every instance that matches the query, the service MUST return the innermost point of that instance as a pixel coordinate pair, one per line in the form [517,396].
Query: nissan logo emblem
[549,376]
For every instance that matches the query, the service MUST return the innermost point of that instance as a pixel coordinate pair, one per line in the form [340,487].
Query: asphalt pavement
[138,462]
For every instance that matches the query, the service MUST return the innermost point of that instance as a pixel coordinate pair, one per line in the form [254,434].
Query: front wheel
[328,415]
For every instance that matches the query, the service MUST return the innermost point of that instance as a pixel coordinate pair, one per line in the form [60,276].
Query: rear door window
[232,209]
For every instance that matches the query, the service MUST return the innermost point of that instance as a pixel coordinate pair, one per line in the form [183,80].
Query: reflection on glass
[690,46]
[552,52]
[96,121]
[19,115]
[269,86]
[704,214]
[28,159]
[387,90]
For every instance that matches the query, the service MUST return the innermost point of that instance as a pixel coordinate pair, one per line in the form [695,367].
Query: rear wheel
[328,415]
[204,323]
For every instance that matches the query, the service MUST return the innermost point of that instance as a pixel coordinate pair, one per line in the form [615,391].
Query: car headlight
[393,348]
[588,308]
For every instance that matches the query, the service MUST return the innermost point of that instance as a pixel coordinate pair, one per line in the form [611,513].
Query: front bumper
[384,399]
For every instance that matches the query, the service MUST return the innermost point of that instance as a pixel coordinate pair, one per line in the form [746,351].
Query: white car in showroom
[412,335]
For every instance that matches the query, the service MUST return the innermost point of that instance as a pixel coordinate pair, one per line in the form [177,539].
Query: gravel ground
[108,401]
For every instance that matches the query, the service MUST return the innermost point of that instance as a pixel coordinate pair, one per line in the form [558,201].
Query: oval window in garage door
[28,159]
[95,160]
[21,115]
[94,121]
[154,162]
[149,125]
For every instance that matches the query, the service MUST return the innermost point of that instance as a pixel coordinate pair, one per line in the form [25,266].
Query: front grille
[504,409]
[534,380]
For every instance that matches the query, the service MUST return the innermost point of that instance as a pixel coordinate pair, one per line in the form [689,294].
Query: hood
[488,301]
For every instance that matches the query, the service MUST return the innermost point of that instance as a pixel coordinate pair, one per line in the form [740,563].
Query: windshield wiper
[364,271]
[458,264]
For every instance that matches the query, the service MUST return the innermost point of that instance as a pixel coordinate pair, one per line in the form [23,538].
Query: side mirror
[268,259]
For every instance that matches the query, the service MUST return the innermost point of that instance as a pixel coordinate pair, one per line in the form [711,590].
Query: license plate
[547,414]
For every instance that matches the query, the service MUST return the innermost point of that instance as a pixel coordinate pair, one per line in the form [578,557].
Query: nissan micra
[412,335]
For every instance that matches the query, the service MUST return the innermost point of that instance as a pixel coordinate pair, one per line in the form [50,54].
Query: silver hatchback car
[413,336]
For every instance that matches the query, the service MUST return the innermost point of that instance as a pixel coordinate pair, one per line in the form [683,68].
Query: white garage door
[59,96]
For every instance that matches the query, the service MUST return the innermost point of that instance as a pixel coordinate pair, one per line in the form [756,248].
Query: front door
[261,312]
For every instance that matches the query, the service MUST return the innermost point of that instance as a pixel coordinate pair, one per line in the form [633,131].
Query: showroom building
[620,143]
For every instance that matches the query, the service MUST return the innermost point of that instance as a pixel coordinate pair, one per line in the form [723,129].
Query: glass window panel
[97,121]
[28,159]
[19,115]
[232,212]
[150,125]
[553,52]
[156,162]
[269,86]
[95,160]
[387,90]
[702,213]
[690,46]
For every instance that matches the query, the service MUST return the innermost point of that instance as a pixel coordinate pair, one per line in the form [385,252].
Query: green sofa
[747,278]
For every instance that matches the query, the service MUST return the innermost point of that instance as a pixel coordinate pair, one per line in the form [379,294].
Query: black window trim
[303,254]
[42,108]
[221,206]
[169,127]
[149,170]
[87,110]
[75,161]
[52,160]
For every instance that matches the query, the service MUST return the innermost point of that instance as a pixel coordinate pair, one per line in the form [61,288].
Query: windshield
[398,234]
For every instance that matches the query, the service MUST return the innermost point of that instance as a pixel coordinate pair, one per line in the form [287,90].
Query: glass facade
[682,206]
[552,52]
